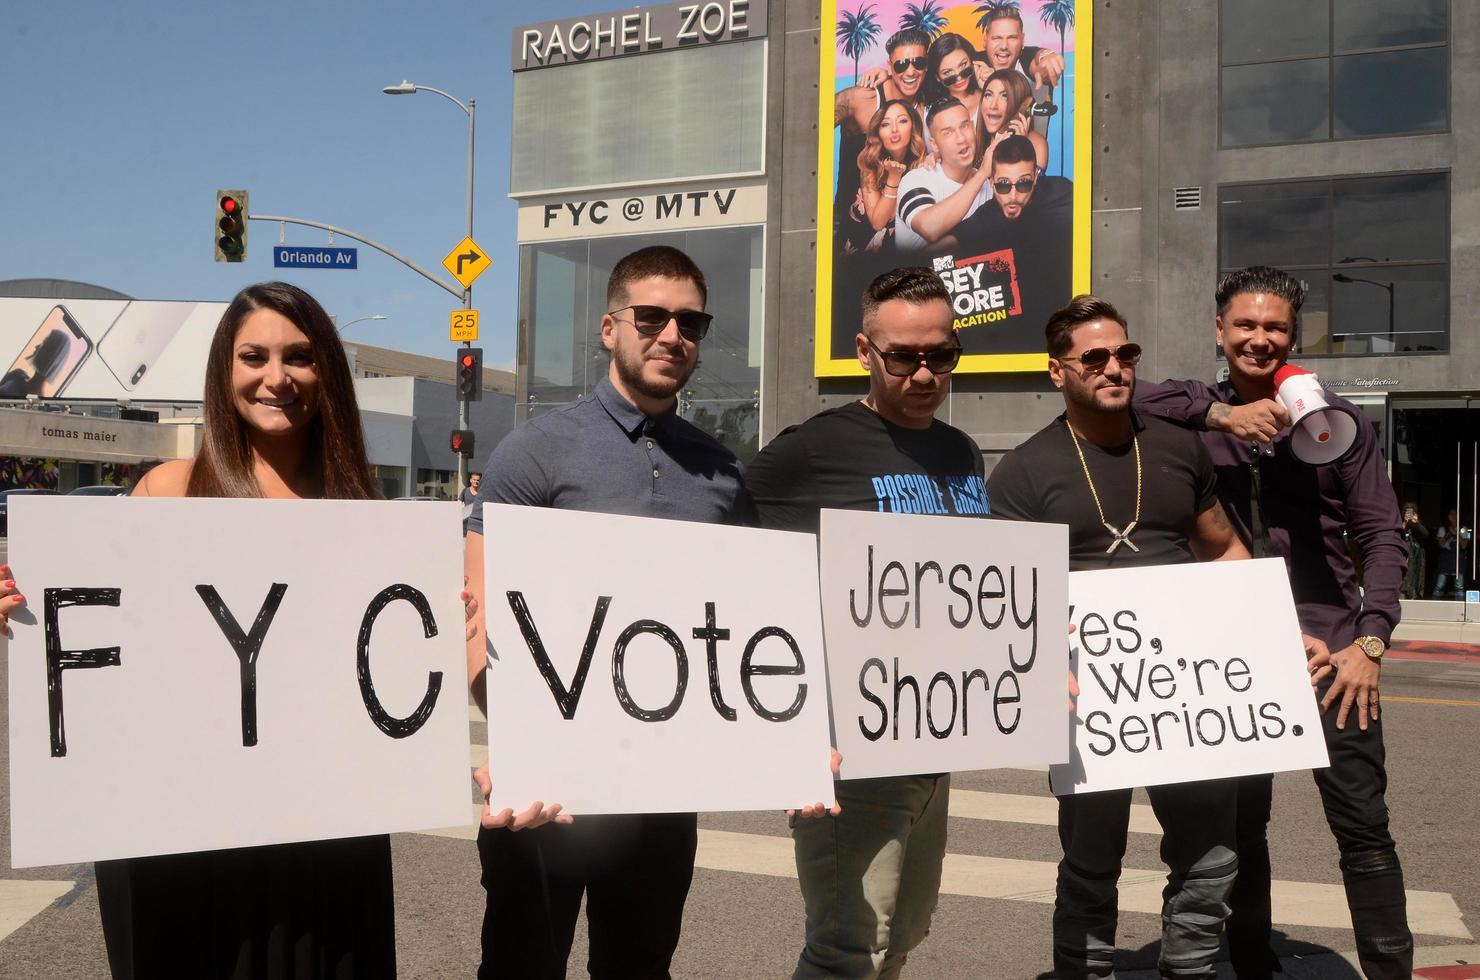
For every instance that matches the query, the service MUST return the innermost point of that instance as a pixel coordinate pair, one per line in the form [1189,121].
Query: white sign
[946,645]
[649,666]
[711,205]
[1187,672]
[661,27]
[193,674]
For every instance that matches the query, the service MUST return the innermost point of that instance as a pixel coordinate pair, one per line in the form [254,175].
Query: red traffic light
[468,361]
[229,205]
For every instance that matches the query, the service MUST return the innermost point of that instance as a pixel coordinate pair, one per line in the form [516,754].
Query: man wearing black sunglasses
[620,450]
[885,453]
[854,108]
[1134,491]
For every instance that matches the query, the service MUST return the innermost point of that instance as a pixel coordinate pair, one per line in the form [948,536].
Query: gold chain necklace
[1117,535]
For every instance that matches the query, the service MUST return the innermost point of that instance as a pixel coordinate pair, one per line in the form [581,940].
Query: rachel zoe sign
[658,28]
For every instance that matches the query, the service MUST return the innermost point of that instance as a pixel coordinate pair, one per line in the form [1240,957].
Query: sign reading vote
[651,666]
[946,647]
[192,674]
[1173,690]
[315,257]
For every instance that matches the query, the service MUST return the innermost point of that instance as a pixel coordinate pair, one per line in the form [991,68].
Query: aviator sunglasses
[904,64]
[1096,358]
[1022,185]
[651,320]
[951,78]
[903,363]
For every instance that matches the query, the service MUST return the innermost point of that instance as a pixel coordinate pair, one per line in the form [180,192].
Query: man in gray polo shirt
[622,450]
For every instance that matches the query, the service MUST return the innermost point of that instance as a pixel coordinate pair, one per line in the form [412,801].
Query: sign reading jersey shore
[945,642]
[106,349]
[1172,689]
[1024,251]
[194,674]
[652,666]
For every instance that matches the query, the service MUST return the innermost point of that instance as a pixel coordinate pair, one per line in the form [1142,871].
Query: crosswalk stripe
[1295,903]
[20,900]
[1041,810]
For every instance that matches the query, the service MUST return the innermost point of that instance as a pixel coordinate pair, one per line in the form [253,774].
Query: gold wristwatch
[1372,647]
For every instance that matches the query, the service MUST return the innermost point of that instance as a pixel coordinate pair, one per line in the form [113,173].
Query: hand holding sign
[10,597]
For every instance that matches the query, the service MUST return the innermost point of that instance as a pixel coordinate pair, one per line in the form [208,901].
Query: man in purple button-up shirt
[1308,515]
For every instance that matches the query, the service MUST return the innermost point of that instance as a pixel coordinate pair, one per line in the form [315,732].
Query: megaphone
[1320,432]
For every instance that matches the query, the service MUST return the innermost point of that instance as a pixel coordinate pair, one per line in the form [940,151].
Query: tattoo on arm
[1218,414]
[1218,518]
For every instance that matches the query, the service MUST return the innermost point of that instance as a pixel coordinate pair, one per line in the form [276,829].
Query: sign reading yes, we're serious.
[193,674]
[945,642]
[651,666]
[1177,685]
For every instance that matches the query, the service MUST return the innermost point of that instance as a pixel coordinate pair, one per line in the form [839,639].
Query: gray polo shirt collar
[629,418]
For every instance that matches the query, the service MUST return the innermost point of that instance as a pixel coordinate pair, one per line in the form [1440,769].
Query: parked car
[5,496]
[101,490]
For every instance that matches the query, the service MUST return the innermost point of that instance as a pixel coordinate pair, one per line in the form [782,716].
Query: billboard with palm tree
[952,144]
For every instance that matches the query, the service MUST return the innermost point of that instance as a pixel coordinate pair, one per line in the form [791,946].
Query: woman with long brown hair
[894,144]
[280,422]
[1007,104]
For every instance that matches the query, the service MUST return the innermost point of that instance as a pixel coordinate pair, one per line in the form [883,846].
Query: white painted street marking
[20,900]
[1295,903]
[1041,810]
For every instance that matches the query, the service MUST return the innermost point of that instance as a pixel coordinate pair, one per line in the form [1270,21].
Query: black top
[850,458]
[1042,480]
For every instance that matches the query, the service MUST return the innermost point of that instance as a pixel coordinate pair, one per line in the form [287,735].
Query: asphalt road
[748,923]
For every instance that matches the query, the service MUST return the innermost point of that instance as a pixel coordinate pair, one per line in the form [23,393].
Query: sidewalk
[1440,650]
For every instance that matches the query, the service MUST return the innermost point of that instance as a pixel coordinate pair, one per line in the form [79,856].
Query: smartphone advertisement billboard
[93,349]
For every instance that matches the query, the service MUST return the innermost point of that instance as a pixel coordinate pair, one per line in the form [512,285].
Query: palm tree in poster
[989,10]
[856,34]
[1059,15]
[928,17]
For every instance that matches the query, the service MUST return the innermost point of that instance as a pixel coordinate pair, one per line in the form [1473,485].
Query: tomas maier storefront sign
[642,210]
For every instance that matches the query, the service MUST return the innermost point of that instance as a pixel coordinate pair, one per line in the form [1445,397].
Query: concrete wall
[435,409]
[1155,128]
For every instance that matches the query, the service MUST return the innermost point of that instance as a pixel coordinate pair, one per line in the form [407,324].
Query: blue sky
[118,121]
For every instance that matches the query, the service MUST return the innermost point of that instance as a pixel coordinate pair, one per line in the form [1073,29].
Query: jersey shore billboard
[958,140]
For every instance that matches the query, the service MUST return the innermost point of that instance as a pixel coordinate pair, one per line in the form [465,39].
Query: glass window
[1305,72]
[1304,30]
[682,114]
[1372,251]
[563,322]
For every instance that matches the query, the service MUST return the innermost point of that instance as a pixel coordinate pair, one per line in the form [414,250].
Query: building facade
[1334,140]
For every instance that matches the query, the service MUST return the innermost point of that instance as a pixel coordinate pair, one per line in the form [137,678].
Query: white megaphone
[1320,433]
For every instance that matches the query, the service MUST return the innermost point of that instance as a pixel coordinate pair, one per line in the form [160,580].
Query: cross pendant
[1121,537]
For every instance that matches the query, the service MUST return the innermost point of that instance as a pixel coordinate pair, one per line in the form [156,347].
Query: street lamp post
[1344,278]
[360,319]
[464,414]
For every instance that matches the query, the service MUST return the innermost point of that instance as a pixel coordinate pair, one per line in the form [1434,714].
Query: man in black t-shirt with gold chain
[1134,491]
[871,874]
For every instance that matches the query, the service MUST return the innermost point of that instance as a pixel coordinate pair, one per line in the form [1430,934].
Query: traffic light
[231,226]
[470,374]
[462,442]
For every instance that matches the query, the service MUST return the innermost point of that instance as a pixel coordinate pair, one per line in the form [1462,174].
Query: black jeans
[634,871]
[1197,846]
[1353,790]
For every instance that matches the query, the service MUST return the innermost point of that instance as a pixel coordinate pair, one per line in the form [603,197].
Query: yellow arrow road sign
[467,262]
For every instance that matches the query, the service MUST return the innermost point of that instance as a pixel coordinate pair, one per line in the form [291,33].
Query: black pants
[1197,846]
[634,871]
[1353,790]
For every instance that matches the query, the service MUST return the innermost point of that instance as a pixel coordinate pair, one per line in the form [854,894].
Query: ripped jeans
[1354,795]
[1197,847]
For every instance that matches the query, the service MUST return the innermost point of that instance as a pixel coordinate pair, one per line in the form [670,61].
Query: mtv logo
[943,263]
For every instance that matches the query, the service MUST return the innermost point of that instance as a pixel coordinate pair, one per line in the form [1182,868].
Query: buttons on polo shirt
[655,472]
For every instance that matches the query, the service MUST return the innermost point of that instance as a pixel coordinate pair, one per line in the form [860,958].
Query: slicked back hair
[1015,149]
[1263,279]
[1001,11]
[910,35]
[653,262]
[941,105]
[915,285]
[1082,309]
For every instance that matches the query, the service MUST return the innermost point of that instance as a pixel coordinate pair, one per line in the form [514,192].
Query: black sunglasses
[1096,358]
[903,363]
[1023,185]
[904,64]
[653,320]
[949,79]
